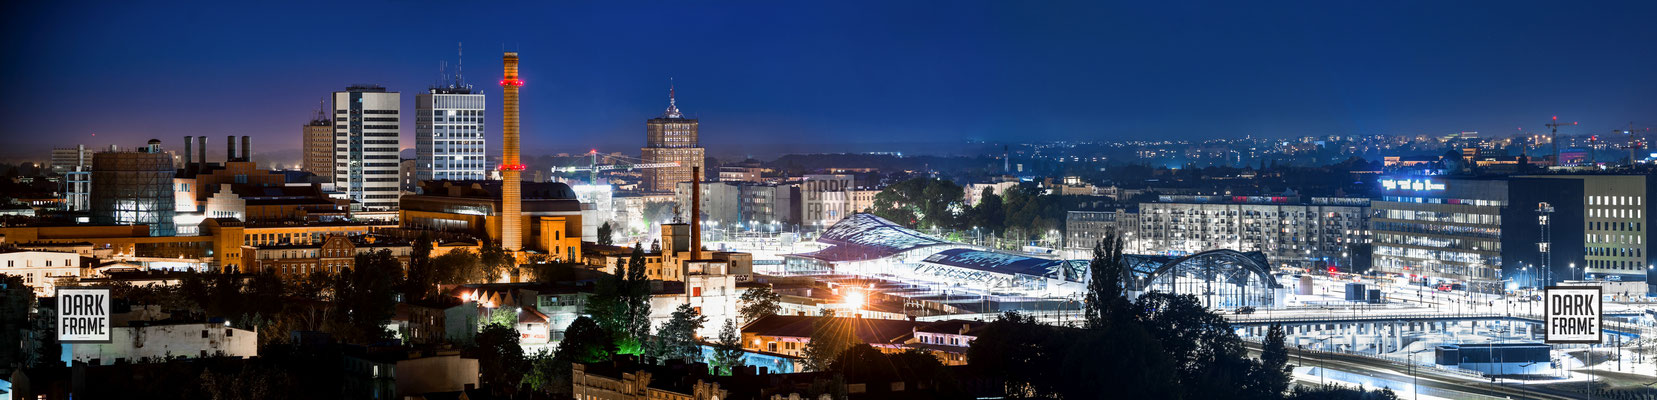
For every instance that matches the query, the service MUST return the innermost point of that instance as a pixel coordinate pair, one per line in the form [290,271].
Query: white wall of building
[163,341]
[40,269]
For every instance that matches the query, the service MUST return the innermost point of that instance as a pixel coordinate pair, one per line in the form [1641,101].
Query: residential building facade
[1290,233]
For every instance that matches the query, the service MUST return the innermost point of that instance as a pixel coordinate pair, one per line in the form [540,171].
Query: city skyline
[763,72]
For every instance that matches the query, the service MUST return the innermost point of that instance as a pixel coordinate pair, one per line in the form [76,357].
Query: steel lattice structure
[133,188]
[1221,278]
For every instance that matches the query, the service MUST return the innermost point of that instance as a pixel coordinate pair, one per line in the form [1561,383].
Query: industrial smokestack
[511,170]
[201,153]
[695,213]
[247,149]
[229,149]
[188,157]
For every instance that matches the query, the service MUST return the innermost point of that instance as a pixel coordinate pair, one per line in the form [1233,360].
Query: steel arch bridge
[1222,278]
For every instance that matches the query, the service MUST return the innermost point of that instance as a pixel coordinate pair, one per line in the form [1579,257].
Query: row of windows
[1615,200]
[1615,264]
[31,263]
[1620,239]
[1615,252]
[379,111]
[379,126]
[1614,213]
[380,119]
[1614,226]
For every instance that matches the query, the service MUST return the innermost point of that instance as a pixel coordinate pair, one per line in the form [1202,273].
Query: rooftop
[874,331]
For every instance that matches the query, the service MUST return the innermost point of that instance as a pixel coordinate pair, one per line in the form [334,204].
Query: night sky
[773,72]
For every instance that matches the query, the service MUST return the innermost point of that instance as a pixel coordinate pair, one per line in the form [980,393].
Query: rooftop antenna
[460,62]
[442,74]
[672,104]
[321,103]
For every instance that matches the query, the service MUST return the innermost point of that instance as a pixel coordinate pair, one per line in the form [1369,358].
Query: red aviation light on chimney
[512,82]
[512,167]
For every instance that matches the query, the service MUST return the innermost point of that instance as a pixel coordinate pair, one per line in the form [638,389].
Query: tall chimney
[201,153]
[511,190]
[229,149]
[695,213]
[247,149]
[188,160]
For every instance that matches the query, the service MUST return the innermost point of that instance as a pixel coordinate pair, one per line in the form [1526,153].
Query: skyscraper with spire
[671,138]
[317,144]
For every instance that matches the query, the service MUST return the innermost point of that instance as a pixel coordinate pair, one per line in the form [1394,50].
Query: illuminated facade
[449,134]
[671,138]
[1440,228]
[1289,232]
[134,188]
[550,213]
[512,230]
[317,148]
[366,146]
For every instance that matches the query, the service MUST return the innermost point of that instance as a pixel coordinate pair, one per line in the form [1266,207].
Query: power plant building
[366,146]
[134,188]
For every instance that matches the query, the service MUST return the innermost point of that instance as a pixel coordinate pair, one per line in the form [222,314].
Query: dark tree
[553,271]
[460,266]
[364,297]
[1274,362]
[919,202]
[584,342]
[422,272]
[727,352]
[759,302]
[500,357]
[606,236]
[16,299]
[677,337]
[1105,301]
[495,261]
[621,304]
[829,337]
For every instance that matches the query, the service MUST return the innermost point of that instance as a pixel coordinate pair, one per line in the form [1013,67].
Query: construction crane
[625,163]
[1634,143]
[1553,138]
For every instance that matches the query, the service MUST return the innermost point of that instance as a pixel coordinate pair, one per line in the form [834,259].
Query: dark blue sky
[830,72]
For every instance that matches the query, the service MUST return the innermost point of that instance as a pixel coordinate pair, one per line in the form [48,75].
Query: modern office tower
[1440,229]
[365,149]
[75,166]
[671,138]
[511,193]
[448,132]
[134,187]
[317,144]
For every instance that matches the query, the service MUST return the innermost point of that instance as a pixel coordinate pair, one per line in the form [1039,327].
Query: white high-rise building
[448,134]
[365,146]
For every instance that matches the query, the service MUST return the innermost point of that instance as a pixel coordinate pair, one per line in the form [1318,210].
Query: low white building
[40,269]
[158,342]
